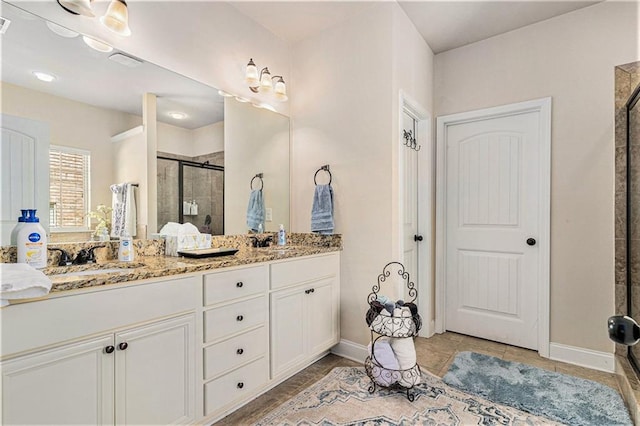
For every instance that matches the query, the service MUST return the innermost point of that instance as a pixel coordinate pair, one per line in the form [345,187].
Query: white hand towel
[405,352]
[21,281]
[383,355]
[123,217]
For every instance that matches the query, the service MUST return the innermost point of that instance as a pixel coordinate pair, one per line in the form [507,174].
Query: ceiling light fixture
[61,31]
[263,81]
[43,76]
[117,18]
[77,7]
[97,45]
[178,115]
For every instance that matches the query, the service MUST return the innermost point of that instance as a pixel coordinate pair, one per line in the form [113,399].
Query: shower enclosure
[191,192]
[633,216]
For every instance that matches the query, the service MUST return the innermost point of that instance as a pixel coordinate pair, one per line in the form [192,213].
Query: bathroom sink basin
[93,269]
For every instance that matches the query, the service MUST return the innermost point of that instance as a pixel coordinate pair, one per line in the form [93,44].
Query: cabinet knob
[240,385]
[312,290]
[307,291]
[240,351]
[122,346]
[239,284]
[531,241]
[109,349]
[239,318]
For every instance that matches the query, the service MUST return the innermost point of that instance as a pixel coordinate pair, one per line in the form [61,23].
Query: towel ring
[326,169]
[258,176]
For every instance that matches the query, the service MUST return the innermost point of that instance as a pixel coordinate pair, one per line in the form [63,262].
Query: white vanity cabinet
[121,374]
[305,306]
[235,336]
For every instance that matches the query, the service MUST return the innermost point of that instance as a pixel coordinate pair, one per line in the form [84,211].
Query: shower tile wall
[205,186]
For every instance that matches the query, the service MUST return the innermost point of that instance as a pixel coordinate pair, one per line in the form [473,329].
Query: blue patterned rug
[560,397]
[342,398]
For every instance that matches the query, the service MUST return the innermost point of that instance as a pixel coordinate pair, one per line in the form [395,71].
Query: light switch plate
[268,215]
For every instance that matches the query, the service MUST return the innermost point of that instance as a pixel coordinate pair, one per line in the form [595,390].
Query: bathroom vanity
[185,344]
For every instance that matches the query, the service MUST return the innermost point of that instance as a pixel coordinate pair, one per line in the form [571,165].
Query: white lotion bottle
[282,236]
[32,242]
[126,250]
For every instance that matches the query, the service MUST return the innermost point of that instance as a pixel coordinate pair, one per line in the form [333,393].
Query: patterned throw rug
[560,397]
[342,398]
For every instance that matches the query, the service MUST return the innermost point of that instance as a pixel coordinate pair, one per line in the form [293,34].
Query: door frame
[543,107]
[425,205]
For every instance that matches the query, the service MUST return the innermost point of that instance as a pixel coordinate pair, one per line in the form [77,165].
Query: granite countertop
[144,267]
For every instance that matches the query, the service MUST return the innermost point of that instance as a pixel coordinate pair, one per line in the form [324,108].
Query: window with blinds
[68,188]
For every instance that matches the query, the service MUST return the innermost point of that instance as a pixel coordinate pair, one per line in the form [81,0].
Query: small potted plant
[102,214]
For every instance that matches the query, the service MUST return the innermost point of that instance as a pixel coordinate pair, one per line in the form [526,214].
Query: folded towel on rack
[123,216]
[255,210]
[322,210]
[21,281]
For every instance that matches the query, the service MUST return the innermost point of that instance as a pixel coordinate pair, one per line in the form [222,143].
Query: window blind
[68,187]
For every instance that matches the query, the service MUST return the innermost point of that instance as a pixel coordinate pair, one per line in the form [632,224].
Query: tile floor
[435,354]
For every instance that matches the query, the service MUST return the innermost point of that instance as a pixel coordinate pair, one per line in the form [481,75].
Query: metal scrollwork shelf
[383,324]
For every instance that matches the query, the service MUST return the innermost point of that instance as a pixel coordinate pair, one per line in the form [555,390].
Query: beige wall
[208,139]
[191,143]
[348,119]
[76,125]
[570,58]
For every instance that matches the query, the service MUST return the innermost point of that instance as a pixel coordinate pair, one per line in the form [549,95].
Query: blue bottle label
[34,237]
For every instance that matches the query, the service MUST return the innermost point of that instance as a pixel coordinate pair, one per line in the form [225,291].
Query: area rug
[342,398]
[557,396]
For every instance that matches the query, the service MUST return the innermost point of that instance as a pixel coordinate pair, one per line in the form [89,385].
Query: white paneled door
[492,227]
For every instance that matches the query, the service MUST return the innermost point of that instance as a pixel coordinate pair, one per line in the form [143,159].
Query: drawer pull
[240,351]
[122,346]
[109,349]
[240,385]
[239,318]
[239,284]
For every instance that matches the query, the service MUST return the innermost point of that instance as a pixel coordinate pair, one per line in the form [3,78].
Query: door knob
[239,318]
[531,241]
[417,238]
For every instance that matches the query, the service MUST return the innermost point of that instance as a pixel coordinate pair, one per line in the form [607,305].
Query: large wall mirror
[207,147]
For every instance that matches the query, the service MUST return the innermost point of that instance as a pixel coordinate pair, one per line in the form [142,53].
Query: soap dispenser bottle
[14,233]
[126,250]
[32,242]
[282,236]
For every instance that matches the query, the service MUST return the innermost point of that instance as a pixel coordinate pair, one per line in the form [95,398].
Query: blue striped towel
[322,210]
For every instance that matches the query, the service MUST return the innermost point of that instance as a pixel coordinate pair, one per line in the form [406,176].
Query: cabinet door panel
[323,313]
[155,374]
[288,337]
[72,384]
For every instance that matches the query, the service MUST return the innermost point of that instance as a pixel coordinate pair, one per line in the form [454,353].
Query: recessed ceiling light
[127,61]
[97,45]
[44,76]
[61,31]
[178,115]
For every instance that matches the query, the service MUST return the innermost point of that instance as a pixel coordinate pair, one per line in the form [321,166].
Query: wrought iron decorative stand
[394,327]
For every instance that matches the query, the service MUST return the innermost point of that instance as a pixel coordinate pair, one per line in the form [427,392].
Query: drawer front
[229,354]
[297,271]
[230,319]
[239,384]
[230,285]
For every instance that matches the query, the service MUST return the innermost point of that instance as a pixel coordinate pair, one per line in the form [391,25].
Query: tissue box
[176,243]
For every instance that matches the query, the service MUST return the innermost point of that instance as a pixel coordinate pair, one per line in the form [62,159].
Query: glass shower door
[202,198]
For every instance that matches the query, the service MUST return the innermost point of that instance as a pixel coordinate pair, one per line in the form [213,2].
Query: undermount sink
[94,269]
[94,272]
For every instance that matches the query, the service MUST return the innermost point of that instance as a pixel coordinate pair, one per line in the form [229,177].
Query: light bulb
[280,90]
[266,84]
[251,75]
[117,18]
[43,76]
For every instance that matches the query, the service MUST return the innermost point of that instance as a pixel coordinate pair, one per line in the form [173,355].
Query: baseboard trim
[596,360]
[350,350]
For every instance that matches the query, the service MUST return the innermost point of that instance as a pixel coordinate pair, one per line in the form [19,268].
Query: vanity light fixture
[264,82]
[43,76]
[117,18]
[77,7]
[97,45]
